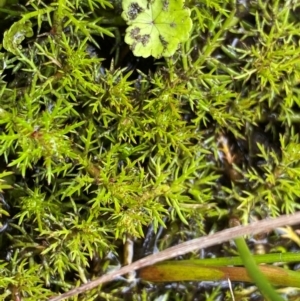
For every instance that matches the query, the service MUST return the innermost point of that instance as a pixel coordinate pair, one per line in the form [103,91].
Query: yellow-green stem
[254,272]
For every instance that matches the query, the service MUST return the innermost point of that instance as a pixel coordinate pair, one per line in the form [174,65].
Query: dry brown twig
[186,247]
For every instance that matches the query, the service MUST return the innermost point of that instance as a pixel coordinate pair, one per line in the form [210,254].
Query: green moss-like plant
[99,147]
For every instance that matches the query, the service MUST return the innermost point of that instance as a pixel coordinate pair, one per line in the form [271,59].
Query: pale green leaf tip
[16,34]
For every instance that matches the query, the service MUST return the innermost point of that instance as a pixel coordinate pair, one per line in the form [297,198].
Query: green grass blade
[255,273]
[236,260]
[188,271]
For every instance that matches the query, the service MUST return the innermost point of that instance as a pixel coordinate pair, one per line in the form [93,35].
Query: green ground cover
[159,142]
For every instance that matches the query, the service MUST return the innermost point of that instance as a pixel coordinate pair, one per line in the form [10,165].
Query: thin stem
[236,260]
[255,273]
[58,18]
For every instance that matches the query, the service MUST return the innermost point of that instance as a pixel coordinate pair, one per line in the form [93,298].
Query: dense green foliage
[97,145]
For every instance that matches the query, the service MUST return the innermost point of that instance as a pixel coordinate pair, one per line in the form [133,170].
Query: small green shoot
[16,34]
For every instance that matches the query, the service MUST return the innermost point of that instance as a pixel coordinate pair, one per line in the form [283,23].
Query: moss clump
[97,145]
